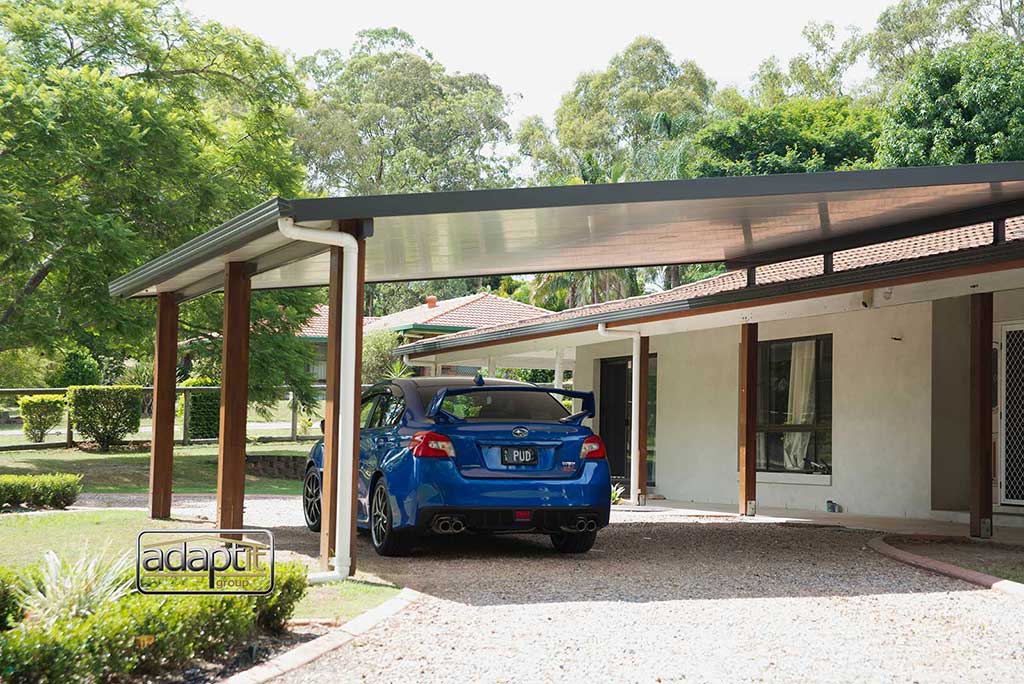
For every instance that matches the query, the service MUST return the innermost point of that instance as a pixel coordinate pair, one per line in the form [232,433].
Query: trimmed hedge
[106,414]
[144,634]
[40,491]
[40,413]
[204,409]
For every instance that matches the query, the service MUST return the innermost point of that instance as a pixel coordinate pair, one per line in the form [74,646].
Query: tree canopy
[963,106]
[387,117]
[126,127]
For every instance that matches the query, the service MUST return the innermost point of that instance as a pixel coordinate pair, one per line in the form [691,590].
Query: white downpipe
[634,415]
[349,287]
[491,368]
[559,370]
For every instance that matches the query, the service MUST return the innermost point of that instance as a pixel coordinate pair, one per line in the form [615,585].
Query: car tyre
[576,542]
[312,489]
[386,540]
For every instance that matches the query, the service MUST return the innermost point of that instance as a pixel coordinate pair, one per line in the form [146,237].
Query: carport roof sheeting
[743,221]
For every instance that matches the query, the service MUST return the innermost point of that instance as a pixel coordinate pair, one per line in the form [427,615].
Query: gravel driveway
[679,599]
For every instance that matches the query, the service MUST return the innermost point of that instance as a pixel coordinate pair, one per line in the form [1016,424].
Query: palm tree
[570,289]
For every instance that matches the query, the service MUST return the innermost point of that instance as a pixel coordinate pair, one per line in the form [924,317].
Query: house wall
[882,376]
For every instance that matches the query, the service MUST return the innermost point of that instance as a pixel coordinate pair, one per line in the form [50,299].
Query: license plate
[518,456]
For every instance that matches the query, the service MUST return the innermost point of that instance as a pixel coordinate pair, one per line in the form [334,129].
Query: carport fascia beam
[349,245]
[634,417]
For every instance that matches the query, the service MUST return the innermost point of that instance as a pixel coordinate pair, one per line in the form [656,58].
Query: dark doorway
[616,400]
[615,410]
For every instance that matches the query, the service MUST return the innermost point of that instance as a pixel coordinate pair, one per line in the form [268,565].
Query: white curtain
[801,403]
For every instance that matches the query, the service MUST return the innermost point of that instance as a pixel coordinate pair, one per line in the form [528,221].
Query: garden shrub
[142,634]
[275,609]
[76,367]
[10,604]
[40,413]
[64,590]
[106,414]
[58,490]
[204,409]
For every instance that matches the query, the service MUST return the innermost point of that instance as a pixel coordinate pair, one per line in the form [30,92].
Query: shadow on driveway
[657,561]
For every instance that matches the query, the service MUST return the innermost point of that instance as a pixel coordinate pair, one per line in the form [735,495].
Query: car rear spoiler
[587,399]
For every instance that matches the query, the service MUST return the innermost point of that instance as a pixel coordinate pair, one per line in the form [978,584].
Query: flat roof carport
[744,221]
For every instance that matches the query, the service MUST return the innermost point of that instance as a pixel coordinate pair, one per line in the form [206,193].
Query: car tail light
[593,447]
[431,445]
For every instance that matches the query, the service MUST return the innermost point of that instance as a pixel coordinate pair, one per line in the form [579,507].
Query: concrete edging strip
[948,569]
[339,636]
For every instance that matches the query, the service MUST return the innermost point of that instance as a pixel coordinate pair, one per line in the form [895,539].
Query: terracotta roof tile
[471,311]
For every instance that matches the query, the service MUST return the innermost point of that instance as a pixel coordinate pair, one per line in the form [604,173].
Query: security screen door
[1011,428]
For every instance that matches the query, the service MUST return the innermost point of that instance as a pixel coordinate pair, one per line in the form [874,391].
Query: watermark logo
[205,562]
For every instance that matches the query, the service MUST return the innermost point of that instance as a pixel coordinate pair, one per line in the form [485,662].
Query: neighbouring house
[862,391]
[432,318]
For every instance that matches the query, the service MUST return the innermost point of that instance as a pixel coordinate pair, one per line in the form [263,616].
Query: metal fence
[288,427]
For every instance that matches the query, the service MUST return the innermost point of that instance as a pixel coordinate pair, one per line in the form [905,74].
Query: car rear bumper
[541,520]
[441,487]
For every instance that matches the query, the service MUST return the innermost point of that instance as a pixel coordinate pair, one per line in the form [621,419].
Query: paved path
[675,599]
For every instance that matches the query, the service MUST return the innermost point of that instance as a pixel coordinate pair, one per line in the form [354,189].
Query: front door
[615,391]
[1011,423]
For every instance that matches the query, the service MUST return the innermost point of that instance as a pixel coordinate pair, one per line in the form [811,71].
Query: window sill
[794,478]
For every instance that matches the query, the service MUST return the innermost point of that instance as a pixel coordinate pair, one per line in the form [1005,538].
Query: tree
[562,290]
[611,125]
[799,135]
[965,105]
[126,128]
[378,359]
[911,30]
[277,357]
[387,117]
[817,72]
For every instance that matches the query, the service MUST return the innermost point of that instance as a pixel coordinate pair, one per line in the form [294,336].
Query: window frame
[819,425]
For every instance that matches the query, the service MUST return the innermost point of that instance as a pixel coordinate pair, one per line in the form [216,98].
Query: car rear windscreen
[499,404]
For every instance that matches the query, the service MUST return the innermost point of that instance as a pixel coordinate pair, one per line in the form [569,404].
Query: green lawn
[127,472]
[342,601]
[27,536]
[1014,572]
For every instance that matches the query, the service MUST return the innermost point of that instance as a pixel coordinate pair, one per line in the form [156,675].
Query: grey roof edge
[249,225]
[418,204]
[933,264]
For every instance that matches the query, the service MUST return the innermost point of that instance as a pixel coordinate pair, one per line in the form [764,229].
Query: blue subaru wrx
[448,456]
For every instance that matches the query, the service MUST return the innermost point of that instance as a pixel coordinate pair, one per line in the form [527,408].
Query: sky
[534,50]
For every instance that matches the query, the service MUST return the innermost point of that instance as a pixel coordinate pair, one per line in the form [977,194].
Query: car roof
[453,381]
[411,386]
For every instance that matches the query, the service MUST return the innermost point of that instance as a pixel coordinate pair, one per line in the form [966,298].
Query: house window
[794,405]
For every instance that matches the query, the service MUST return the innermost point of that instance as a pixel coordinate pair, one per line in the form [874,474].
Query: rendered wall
[882,432]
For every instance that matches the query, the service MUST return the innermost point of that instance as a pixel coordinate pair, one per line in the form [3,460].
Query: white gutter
[634,416]
[349,288]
